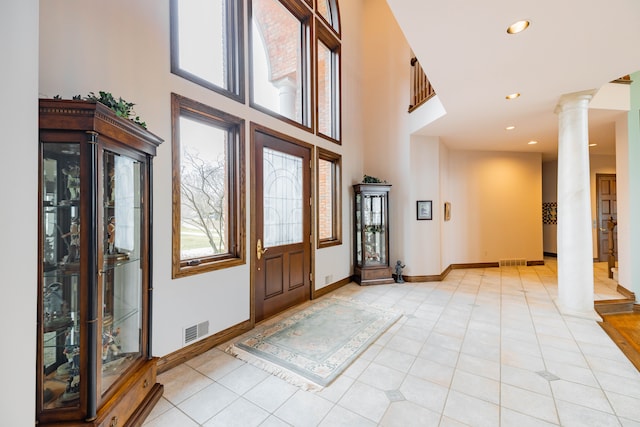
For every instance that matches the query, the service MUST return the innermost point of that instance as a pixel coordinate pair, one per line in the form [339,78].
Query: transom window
[206,44]
[208,195]
[294,75]
[279,52]
[328,83]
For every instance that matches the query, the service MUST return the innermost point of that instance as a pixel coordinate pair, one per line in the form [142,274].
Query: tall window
[206,44]
[208,191]
[328,83]
[280,58]
[293,75]
[329,198]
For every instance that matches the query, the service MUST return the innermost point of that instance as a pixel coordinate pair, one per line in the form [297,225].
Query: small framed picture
[424,210]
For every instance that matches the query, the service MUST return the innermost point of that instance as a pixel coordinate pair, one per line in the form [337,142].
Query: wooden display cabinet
[94,302]
[371,234]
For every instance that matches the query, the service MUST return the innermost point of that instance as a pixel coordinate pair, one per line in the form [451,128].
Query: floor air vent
[515,262]
[194,332]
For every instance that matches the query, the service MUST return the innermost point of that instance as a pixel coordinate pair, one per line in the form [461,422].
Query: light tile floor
[485,347]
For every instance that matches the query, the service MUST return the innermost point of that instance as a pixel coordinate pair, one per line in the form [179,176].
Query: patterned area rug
[313,346]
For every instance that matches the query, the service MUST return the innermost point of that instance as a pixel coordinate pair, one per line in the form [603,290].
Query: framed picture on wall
[424,209]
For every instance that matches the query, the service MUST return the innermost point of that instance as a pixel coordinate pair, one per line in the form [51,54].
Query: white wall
[133,62]
[492,217]
[624,227]
[496,206]
[18,191]
[628,214]
[423,257]
[336,262]
[386,147]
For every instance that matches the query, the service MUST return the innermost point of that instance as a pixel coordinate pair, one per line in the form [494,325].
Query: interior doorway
[606,209]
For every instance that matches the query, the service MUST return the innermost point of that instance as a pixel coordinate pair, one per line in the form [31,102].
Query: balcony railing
[421,89]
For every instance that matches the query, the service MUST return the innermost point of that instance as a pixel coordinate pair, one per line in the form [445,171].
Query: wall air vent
[514,262]
[194,332]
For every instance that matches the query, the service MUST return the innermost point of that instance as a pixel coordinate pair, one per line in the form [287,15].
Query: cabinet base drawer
[374,276]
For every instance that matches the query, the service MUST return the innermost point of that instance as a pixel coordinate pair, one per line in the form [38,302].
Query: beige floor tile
[511,418]
[172,418]
[207,402]
[483,347]
[625,406]
[579,394]
[479,366]
[432,371]
[304,409]
[271,393]
[424,393]
[572,415]
[241,413]
[476,386]
[525,379]
[397,360]
[404,413]
[341,417]
[440,355]
[471,411]
[366,401]
[529,403]
[182,382]
[382,377]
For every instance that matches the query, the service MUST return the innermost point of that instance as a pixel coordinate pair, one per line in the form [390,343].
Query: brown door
[282,222]
[606,209]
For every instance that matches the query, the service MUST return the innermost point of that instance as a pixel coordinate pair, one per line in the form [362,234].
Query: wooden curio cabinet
[371,240]
[94,301]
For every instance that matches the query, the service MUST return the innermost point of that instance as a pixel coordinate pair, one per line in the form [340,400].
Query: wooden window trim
[334,11]
[301,11]
[336,160]
[182,106]
[235,49]
[329,39]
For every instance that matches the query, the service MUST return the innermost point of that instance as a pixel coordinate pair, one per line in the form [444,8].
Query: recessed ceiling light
[512,95]
[592,145]
[510,127]
[532,142]
[518,26]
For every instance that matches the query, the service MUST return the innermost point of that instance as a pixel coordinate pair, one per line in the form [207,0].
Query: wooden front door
[281,209]
[606,208]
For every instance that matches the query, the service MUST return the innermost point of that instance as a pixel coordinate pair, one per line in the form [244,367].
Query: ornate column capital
[574,100]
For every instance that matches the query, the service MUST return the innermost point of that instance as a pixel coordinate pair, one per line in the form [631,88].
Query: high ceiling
[571,46]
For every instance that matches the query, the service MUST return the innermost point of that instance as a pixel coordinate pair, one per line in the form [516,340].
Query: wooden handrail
[421,89]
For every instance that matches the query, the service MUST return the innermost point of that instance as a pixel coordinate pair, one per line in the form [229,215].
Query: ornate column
[575,241]
[287,96]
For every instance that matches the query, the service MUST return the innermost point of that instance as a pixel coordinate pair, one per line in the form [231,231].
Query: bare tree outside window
[207,189]
[204,213]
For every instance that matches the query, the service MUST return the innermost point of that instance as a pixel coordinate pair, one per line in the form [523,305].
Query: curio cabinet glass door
[371,229]
[95,293]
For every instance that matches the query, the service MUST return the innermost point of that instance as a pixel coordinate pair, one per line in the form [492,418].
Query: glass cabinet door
[122,271]
[61,255]
[358,230]
[374,225]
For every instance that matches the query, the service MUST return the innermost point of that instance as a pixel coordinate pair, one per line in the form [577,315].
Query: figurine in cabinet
[73,246]
[111,236]
[72,173]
